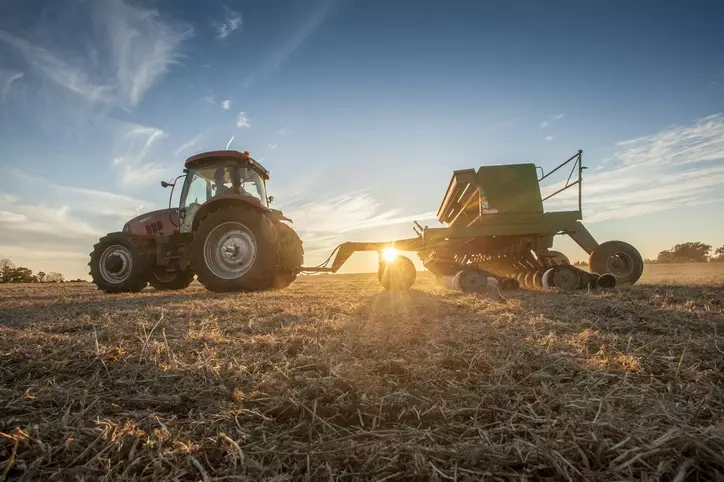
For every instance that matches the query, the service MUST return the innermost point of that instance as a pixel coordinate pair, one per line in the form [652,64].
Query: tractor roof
[206,158]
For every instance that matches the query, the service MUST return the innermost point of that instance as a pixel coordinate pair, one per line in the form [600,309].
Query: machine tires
[119,263]
[164,280]
[618,258]
[290,253]
[398,274]
[235,249]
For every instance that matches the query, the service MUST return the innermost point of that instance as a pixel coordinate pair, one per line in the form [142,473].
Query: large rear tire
[290,256]
[164,280]
[235,249]
[618,258]
[119,263]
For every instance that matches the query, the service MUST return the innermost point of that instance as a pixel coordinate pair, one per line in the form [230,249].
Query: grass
[334,379]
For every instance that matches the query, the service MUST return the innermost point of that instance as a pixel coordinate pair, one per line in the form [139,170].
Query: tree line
[11,273]
[690,252]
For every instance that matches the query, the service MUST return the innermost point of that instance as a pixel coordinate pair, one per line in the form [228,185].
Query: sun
[389,254]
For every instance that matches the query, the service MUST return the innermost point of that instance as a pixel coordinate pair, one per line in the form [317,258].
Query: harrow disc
[547,278]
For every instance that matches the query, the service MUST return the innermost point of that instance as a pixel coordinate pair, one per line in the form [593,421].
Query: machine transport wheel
[234,249]
[618,258]
[547,278]
[606,281]
[398,274]
[566,278]
[164,280]
[470,280]
[119,263]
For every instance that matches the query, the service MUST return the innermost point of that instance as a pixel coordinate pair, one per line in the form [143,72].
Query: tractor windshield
[205,183]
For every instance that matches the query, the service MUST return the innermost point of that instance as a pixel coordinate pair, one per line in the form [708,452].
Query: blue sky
[360,109]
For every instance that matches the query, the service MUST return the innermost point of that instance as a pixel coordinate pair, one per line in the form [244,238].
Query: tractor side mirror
[270,199]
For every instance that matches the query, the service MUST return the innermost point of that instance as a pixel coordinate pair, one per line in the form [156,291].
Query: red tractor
[223,232]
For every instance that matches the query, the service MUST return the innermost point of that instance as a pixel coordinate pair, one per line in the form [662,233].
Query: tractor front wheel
[618,258]
[164,280]
[119,264]
[234,249]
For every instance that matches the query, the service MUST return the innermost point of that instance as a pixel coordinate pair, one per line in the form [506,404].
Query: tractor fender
[162,222]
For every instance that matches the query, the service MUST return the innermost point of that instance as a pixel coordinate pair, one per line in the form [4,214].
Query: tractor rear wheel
[164,280]
[618,258]
[119,263]
[290,252]
[234,249]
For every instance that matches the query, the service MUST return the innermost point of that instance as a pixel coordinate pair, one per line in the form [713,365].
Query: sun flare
[389,254]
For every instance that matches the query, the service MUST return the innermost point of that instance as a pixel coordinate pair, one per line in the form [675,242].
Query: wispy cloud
[551,119]
[140,48]
[210,98]
[67,73]
[226,105]
[295,39]
[242,120]
[549,138]
[191,143]
[7,77]
[232,21]
[675,167]
[273,146]
[133,165]
[330,220]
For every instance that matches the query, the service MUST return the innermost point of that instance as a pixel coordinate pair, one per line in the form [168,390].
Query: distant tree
[20,275]
[718,254]
[54,277]
[6,268]
[689,252]
[40,276]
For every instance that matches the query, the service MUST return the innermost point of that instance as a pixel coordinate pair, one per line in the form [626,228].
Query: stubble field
[335,379]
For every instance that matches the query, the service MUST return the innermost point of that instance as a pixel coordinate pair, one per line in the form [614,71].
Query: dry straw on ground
[333,379]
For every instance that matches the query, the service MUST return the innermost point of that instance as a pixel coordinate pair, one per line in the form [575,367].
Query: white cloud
[242,120]
[226,105]
[137,49]
[67,73]
[551,119]
[677,166]
[549,138]
[133,165]
[273,146]
[232,21]
[7,77]
[210,99]
[8,217]
[324,223]
[191,143]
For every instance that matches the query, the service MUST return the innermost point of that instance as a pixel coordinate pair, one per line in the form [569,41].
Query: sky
[361,110]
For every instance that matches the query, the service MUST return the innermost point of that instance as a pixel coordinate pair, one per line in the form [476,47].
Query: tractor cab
[229,176]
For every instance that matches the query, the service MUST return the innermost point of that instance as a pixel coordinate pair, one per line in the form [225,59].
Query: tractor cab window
[251,184]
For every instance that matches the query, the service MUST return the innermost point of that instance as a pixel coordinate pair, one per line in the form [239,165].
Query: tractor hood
[155,223]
